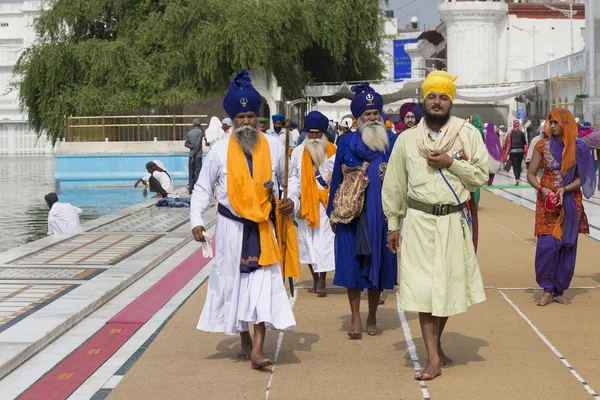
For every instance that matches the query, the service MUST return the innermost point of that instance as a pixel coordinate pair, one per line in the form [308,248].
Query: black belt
[434,209]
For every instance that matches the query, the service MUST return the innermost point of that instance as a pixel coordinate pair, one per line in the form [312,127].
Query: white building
[16,33]
[490,43]
[591,107]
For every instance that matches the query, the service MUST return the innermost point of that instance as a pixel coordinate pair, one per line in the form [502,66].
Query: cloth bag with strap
[349,199]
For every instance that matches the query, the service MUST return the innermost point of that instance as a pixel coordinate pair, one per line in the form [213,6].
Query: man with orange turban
[432,171]
[312,162]
[246,285]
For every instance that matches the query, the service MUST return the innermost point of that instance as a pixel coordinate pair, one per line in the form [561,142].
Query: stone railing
[569,65]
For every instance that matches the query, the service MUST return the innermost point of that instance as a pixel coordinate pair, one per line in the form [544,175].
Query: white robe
[62,217]
[315,245]
[235,299]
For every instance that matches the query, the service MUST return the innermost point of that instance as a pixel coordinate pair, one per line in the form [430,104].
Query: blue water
[25,181]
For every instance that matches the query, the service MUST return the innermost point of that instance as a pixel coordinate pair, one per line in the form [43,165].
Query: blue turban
[241,96]
[365,98]
[419,111]
[278,117]
[293,124]
[317,121]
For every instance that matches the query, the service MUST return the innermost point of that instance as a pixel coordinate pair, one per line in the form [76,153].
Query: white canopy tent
[333,99]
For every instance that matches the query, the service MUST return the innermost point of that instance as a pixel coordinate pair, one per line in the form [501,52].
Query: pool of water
[24,213]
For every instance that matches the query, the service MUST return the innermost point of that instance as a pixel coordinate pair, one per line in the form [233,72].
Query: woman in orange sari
[568,170]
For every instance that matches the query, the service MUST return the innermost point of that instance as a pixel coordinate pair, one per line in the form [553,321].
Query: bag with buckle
[349,199]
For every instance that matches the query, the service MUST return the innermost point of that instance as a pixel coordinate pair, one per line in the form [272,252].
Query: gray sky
[426,10]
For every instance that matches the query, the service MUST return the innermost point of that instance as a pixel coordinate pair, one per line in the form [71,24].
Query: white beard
[317,149]
[246,137]
[373,134]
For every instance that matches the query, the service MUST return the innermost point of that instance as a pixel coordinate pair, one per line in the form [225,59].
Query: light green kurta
[439,272]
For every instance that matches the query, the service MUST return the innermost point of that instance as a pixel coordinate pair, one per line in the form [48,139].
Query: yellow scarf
[250,199]
[247,194]
[310,195]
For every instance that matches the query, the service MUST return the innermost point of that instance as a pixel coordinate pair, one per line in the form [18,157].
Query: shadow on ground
[387,316]
[570,294]
[460,348]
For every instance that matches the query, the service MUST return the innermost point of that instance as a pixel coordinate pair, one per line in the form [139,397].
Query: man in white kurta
[235,298]
[62,216]
[315,243]
[431,172]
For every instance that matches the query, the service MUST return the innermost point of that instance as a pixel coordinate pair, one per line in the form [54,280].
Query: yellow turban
[439,82]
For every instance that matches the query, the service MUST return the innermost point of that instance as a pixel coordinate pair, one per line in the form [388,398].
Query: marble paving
[48,273]
[153,219]
[89,249]
[18,300]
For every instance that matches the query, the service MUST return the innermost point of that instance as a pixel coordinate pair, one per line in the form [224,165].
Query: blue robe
[379,270]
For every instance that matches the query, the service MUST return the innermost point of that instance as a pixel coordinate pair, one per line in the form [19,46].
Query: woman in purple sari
[568,170]
[494,148]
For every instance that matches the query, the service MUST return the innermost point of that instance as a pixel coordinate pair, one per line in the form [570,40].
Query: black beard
[437,119]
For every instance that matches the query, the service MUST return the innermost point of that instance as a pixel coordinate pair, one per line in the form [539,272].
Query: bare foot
[429,373]
[372,329]
[322,289]
[313,289]
[562,300]
[545,299]
[244,354]
[355,331]
[444,359]
[259,361]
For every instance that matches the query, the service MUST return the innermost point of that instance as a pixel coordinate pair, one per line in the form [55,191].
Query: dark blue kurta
[378,271]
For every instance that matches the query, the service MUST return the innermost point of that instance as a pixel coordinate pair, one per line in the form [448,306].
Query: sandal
[321,293]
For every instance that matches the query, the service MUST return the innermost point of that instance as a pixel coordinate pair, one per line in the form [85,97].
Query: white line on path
[412,350]
[554,350]
[279,341]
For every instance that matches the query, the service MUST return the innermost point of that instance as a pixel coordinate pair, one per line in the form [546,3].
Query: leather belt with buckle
[438,210]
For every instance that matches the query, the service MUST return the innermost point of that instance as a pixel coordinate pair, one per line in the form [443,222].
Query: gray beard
[374,135]
[247,137]
[317,148]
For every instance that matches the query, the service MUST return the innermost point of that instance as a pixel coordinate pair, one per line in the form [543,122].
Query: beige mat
[497,355]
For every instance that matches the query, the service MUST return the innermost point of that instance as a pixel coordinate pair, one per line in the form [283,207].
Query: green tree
[105,56]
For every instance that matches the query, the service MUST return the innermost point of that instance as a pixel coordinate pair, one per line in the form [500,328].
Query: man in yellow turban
[432,170]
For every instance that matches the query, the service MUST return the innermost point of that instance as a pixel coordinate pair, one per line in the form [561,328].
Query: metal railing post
[174,128]
[138,129]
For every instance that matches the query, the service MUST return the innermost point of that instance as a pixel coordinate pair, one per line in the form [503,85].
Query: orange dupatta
[248,196]
[567,121]
[310,195]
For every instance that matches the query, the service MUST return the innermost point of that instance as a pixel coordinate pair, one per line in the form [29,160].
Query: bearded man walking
[245,285]
[355,208]
[312,162]
[432,171]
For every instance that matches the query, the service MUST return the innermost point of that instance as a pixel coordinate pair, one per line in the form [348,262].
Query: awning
[390,91]
[490,94]
[394,91]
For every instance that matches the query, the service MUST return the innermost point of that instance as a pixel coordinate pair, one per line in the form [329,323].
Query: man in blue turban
[249,169]
[278,130]
[361,257]
[312,162]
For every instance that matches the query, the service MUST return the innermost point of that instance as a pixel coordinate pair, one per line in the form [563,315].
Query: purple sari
[492,142]
[587,174]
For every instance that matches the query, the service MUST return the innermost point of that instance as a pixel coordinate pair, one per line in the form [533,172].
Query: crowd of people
[361,192]
[364,191]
